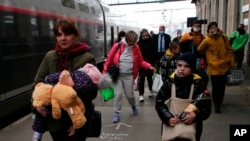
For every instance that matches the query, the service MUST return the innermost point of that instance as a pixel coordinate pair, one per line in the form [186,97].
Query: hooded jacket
[114,57]
[183,86]
[188,45]
[168,64]
[218,52]
[58,60]
[147,50]
[71,59]
[239,41]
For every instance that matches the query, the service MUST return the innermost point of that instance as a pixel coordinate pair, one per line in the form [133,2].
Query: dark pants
[142,75]
[80,134]
[239,56]
[159,55]
[39,124]
[218,88]
[63,136]
[204,76]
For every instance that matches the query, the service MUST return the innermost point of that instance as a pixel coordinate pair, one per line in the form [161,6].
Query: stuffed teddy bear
[64,96]
[41,95]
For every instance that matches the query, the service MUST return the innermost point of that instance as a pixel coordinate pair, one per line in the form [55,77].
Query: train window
[106,9]
[98,11]
[83,8]
[34,26]
[99,28]
[9,19]
[93,10]
[33,21]
[51,24]
[68,3]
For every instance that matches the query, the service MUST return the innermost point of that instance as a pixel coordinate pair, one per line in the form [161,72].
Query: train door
[1,83]
[112,35]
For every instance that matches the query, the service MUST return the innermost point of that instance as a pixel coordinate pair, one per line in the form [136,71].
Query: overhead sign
[190,21]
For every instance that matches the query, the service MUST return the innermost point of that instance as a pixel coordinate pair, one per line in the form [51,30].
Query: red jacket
[114,55]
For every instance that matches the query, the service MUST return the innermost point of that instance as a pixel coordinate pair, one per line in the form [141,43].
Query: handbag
[113,69]
[157,82]
[236,76]
[176,106]
[96,124]
[107,94]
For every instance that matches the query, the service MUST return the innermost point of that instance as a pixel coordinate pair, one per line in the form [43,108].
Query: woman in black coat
[146,45]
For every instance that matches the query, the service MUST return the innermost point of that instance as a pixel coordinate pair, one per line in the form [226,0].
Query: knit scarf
[64,55]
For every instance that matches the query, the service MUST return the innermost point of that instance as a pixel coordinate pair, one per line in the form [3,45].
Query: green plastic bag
[107,94]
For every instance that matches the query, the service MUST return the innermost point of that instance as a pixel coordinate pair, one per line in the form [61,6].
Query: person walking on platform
[220,59]
[146,45]
[180,122]
[127,56]
[152,34]
[189,42]
[239,40]
[161,41]
[121,35]
[168,61]
[69,54]
[178,37]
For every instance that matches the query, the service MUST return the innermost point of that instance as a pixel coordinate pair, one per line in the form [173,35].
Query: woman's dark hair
[120,35]
[197,22]
[243,26]
[67,26]
[143,31]
[211,24]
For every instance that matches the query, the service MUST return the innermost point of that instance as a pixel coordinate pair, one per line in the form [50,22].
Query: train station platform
[146,125]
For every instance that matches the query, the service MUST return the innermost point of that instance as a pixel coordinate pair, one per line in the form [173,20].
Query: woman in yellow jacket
[220,59]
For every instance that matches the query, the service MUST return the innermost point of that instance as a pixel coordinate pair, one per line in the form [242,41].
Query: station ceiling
[128,2]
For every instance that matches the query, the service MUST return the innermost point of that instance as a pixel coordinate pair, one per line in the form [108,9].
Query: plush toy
[41,95]
[64,96]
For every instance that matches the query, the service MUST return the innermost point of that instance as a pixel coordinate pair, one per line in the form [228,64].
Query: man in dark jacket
[162,41]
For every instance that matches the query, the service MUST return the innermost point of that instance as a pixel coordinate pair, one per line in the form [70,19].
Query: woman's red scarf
[65,54]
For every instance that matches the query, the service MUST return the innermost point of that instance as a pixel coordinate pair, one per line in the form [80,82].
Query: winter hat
[92,71]
[189,58]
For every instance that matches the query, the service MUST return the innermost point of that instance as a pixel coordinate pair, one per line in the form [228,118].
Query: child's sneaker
[116,118]
[135,111]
